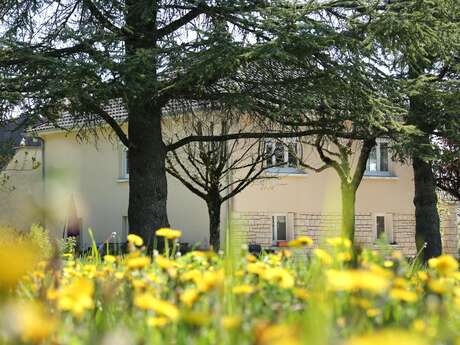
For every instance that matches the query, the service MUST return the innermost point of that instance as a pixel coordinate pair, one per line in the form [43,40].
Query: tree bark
[426,212]
[427,227]
[214,205]
[147,152]
[348,210]
[147,175]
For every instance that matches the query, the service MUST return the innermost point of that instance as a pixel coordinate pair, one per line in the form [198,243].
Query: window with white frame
[281,154]
[383,227]
[379,159]
[124,173]
[279,228]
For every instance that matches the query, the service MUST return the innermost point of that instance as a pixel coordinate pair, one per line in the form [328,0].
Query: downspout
[42,141]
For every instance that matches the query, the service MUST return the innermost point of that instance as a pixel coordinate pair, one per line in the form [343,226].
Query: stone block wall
[256,227]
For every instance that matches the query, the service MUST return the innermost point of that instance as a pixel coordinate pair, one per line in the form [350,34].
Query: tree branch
[252,135]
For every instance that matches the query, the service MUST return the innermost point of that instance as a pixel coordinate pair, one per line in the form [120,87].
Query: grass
[326,297]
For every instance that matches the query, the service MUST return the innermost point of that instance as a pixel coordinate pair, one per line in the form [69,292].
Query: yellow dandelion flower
[257,268]
[251,258]
[373,312]
[169,234]
[323,256]
[147,301]
[192,275]
[387,337]
[28,321]
[351,280]
[301,241]
[422,275]
[110,259]
[440,286]
[211,280]
[231,322]
[16,259]
[419,325]
[279,276]
[136,240]
[189,297]
[403,295]
[164,263]
[277,334]
[444,264]
[243,289]
[77,297]
[301,293]
[140,262]
[339,242]
[157,321]
[388,264]
[400,282]
[344,256]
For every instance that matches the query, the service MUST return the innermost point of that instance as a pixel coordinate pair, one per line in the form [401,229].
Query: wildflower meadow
[308,293]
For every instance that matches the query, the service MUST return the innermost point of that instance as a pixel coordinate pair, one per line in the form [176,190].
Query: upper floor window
[281,153]
[378,161]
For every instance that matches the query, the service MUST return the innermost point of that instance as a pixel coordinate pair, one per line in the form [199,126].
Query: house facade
[289,202]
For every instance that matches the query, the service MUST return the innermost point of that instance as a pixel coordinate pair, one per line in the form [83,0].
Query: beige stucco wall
[90,172]
[320,192]
[21,192]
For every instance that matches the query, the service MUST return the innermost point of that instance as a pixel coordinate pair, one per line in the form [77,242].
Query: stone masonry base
[256,227]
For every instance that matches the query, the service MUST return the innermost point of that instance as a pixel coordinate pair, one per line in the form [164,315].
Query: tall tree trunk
[348,210]
[427,227]
[147,175]
[147,152]
[426,212]
[214,205]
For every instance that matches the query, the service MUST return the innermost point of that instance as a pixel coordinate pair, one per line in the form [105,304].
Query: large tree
[77,56]
[418,42]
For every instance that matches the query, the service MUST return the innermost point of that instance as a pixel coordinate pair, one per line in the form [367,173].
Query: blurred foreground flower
[147,301]
[352,280]
[444,264]
[27,321]
[277,334]
[16,259]
[77,297]
[388,337]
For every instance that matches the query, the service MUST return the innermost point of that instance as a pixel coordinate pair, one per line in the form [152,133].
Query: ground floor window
[279,227]
[383,227]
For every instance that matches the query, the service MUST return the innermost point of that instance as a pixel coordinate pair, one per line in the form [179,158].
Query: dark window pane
[380,226]
[269,154]
[383,157]
[292,155]
[281,228]
[279,154]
